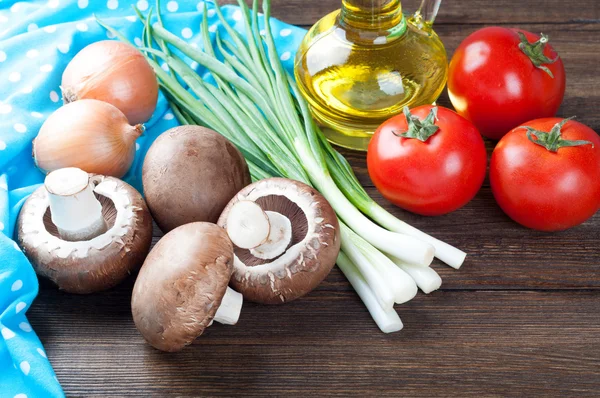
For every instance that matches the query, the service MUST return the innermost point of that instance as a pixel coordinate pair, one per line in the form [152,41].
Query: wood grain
[457,12]
[519,319]
[454,344]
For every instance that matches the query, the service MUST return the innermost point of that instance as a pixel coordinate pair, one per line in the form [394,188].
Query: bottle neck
[374,15]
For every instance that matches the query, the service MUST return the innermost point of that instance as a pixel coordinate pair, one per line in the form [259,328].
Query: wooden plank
[302,12]
[454,344]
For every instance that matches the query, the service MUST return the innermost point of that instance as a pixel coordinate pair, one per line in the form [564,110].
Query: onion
[112,72]
[88,134]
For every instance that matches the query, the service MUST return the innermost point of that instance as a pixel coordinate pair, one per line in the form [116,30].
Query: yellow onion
[91,135]
[112,72]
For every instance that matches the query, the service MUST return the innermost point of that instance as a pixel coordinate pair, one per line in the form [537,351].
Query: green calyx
[553,141]
[535,52]
[417,128]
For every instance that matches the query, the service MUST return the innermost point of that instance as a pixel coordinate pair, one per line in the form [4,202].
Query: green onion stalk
[257,106]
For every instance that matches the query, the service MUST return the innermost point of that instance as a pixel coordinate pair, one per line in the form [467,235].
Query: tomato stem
[553,141]
[535,52]
[417,128]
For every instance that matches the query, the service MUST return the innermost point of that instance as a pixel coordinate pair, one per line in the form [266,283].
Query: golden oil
[361,65]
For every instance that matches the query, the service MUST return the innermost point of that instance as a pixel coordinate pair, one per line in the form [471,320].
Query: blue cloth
[37,40]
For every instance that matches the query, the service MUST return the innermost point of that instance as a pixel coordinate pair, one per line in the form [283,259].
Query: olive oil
[361,65]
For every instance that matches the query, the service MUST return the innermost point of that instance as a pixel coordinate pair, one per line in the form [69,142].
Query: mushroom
[286,238]
[190,173]
[84,232]
[182,286]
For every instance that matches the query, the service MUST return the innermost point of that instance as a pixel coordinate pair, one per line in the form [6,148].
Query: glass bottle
[361,65]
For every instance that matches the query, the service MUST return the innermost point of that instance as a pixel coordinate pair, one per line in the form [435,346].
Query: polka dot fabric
[37,40]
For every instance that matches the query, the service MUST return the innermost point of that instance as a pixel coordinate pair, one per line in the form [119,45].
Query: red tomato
[542,189]
[494,84]
[431,177]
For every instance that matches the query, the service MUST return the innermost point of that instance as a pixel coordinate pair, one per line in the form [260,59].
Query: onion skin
[113,72]
[88,134]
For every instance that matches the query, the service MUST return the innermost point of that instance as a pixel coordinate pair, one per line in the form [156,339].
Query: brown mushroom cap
[181,284]
[97,264]
[189,175]
[312,252]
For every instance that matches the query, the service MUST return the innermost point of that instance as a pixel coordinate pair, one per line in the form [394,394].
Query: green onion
[258,107]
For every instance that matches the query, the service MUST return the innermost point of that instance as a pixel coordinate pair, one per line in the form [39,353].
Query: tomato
[427,175]
[494,84]
[545,189]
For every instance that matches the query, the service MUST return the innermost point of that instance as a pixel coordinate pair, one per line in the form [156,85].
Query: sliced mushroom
[182,286]
[85,232]
[291,256]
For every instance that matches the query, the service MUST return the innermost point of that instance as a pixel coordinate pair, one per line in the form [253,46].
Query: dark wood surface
[521,318]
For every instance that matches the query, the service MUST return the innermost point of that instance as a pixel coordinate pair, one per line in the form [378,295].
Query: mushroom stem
[267,234]
[280,236]
[230,308]
[75,210]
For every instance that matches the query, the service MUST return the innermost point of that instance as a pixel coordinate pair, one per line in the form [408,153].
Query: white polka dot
[131,18]
[27,90]
[2,145]
[142,5]
[137,146]
[210,13]
[165,67]
[263,32]
[20,127]
[1,226]
[63,47]
[194,65]
[212,28]
[20,306]
[172,6]
[137,41]
[25,367]
[41,352]
[7,333]
[2,56]
[5,108]
[31,27]
[37,114]
[285,32]
[16,246]
[286,55]
[82,27]
[237,15]
[24,326]
[32,53]
[14,77]
[20,396]
[195,45]
[112,4]
[54,96]
[186,33]
[46,68]
[200,6]
[17,285]
[169,116]
[15,7]
[82,3]
[53,3]
[50,29]
[110,34]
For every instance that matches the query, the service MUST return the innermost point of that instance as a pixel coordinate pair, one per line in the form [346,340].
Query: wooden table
[521,318]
